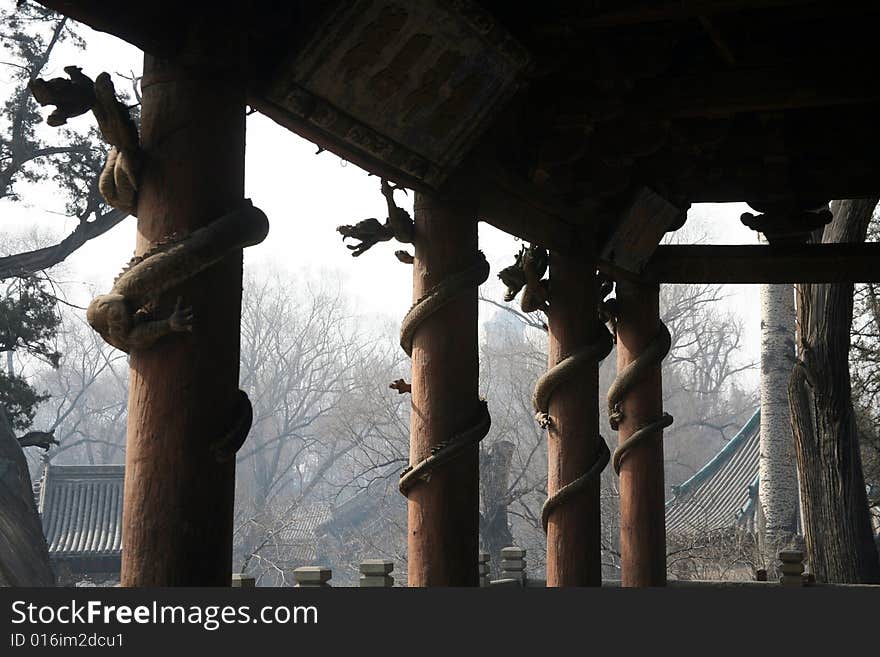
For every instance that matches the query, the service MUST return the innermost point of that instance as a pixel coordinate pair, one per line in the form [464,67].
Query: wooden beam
[155,27]
[515,205]
[648,12]
[769,89]
[810,263]
[326,141]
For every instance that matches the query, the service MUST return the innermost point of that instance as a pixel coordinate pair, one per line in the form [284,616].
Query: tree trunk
[24,557]
[778,489]
[494,477]
[840,547]
[177,517]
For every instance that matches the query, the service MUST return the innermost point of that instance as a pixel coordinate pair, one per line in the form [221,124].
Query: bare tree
[87,398]
[299,352]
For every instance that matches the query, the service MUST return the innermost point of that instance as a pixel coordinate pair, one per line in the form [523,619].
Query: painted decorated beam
[810,263]
[409,85]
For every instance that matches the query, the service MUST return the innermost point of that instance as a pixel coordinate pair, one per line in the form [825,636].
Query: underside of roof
[558,114]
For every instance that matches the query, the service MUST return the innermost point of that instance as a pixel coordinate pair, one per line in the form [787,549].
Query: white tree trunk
[778,488]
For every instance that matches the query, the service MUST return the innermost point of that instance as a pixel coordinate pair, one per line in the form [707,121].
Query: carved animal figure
[527,272]
[118,179]
[41,439]
[398,225]
[71,97]
[125,316]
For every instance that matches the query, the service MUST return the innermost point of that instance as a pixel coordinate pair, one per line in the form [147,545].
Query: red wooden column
[177,518]
[443,512]
[573,527]
[642,490]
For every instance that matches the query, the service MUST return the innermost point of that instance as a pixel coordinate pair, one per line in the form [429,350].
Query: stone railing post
[241,581]
[376,573]
[513,564]
[312,576]
[792,568]
[483,567]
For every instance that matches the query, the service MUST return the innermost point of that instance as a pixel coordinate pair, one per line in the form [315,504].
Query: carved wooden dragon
[398,226]
[124,316]
[527,272]
[118,179]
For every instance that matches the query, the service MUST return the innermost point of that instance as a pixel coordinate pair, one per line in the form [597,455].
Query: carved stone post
[240,581]
[376,573]
[312,576]
[483,568]
[177,518]
[447,419]
[513,564]
[576,453]
[640,407]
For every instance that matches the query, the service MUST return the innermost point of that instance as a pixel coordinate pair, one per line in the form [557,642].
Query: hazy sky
[306,196]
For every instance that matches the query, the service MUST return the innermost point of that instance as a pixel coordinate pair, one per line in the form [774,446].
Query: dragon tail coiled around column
[626,379]
[441,294]
[228,445]
[125,317]
[448,450]
[565,370]
[436,298]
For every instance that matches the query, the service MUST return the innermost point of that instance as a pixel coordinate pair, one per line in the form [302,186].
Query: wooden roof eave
[157,28]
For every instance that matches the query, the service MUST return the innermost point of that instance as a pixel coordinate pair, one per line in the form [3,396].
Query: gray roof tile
[719,495]
[81,507]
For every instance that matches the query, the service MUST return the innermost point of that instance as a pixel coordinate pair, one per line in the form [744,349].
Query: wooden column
[444,511]
[177,518]
[573,528]
[642,513]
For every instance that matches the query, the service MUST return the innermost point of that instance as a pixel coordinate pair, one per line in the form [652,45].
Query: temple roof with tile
[723,493]
[81,508]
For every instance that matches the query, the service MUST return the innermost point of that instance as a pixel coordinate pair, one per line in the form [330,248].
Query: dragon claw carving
[181,319]
[126,317]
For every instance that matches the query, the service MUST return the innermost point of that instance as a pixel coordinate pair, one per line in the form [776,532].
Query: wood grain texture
[840,545]
[642,488]
[573,529]
[177,518]
[443,512]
